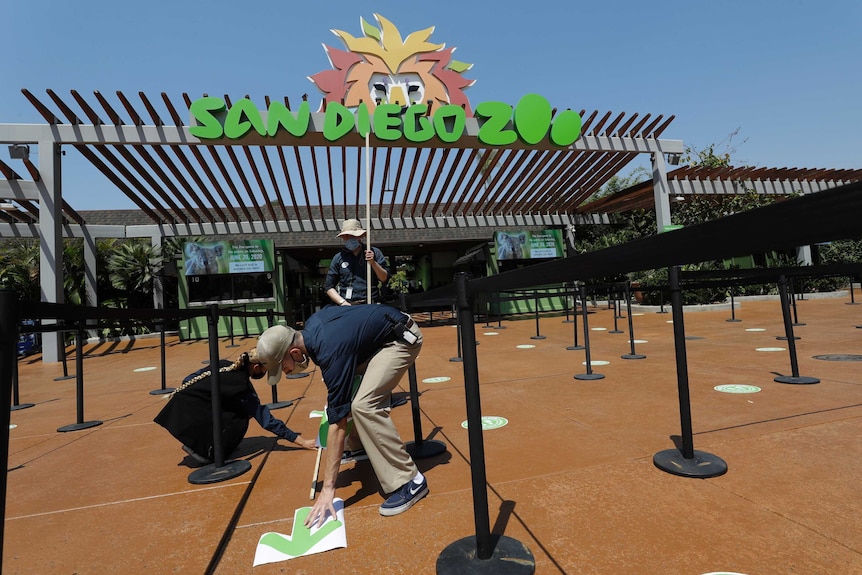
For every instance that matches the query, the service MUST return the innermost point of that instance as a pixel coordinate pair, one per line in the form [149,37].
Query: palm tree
[133,267]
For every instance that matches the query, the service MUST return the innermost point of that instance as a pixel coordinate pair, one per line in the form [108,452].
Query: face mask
[300,366]
[351,244]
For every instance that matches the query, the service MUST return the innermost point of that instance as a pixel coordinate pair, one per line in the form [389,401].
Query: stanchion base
[633,356]
[538,337]
[588,376]
[665,311]
[801,380]
[703,464]
[796,324]
[78,426]
[426,449]
[162,391]
[575,347]
[212,474]
[509,556]
[852,303]
[732,320]
[569,321]
[615,331]
[21,406]
[500,327]
[64,377]
[279,405]
[296,375]
[456,359]
[784,337]
[232,345]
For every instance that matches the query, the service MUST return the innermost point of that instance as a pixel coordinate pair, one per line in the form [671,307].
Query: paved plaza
[570,474]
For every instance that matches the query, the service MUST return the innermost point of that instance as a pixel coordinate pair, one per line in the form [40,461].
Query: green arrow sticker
[274,547]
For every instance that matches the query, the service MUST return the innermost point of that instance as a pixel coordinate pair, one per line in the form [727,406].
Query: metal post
[795,378]
[632,354]
[163,389]
[589,375]
[79,386]
[419,448]
[536,301]
[8,358]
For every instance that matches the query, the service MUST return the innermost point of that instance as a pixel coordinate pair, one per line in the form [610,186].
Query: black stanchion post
[79,386]
[661,302]
[15,398]
[566,293]
[244,322]
[420,448]
[589,375]
[63,360]
[688,462]
[615,295]
[479,553]
[793,299]
[162,390]
[230,330]
[632,353]
[458,358]
[575,345]
[732,308]
[499,313]
[8,358]
[852,299]
[795,378]
[219,470]
[536,302]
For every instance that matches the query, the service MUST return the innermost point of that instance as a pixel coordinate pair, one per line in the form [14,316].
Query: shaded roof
[725,181]
[146,151]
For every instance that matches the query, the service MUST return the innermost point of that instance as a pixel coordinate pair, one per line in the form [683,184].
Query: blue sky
[786,74]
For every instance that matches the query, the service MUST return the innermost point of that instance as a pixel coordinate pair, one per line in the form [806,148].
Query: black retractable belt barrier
[793,299]
[575,345]
[617,315]
[632,354]
[589,375]
[574,318]
[480,553]
[8,358]
[795,378]
[163,389]
[219,470]
[458,358]
[536,300]
[732,308]
[686,462]
[63,359]
[79,387]
[230,330]
[420,448]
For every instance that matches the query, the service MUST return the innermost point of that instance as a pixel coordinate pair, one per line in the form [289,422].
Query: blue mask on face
[351,244]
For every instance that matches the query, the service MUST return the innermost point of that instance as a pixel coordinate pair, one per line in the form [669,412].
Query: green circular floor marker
[144,369]
[736,388]
[441,379]
[525,346]
[769,349]
[489,422]
[755,329]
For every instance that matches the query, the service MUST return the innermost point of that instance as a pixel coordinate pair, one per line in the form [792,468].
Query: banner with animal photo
[228,257]
[528,245]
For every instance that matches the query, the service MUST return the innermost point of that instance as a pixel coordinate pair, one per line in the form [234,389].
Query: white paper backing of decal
[273,547]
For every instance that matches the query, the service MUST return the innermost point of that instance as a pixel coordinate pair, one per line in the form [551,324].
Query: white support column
[661,191]
[803,256]
[91,293]
[50,241]
[159,279]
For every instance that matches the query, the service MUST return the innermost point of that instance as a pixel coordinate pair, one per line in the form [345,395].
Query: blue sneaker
[404,498]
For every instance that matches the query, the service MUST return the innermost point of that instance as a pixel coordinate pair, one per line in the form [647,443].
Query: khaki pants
[371,412]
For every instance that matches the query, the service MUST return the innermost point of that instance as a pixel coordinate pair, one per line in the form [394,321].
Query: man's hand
[305,443]
[321,509]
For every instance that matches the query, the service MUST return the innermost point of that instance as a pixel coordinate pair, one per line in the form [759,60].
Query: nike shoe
[404,498]
[353,456]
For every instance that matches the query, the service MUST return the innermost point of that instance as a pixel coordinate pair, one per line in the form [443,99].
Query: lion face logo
[383,68]
[202,260]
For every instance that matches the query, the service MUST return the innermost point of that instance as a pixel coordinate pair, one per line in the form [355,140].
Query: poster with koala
[526,245]
[200,259]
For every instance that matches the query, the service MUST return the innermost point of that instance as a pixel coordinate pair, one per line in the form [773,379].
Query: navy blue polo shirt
[338,339]
[349,270]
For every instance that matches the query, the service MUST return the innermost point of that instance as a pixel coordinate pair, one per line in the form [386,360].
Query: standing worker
[380,343]
[346,281]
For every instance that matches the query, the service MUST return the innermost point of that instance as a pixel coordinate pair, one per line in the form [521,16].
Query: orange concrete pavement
[570,476]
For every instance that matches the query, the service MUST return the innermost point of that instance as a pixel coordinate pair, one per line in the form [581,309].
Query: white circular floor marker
[525,346]
[491,333]
[144,369]
[769,349]
[596,362]
[489,422]
[440,379]
[755,329]
[598,329]
[736,388]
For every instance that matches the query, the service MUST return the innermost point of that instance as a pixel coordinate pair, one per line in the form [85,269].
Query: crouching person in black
[188,413]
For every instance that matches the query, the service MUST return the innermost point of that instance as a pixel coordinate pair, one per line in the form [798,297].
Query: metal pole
[8,353]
